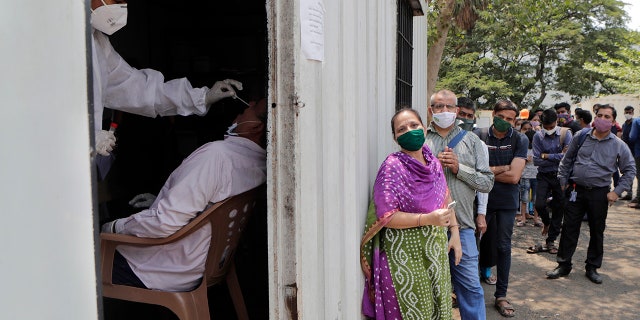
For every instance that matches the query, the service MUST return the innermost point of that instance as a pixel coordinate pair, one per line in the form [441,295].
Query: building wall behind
[47,268]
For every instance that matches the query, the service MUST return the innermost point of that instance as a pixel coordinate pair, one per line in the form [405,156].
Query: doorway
[204,41]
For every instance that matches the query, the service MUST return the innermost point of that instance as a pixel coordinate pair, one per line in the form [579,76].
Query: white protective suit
[118,86]
[212,173]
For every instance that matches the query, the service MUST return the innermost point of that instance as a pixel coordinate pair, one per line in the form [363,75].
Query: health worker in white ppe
[118,86]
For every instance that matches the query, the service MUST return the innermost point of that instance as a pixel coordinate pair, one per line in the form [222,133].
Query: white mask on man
[109,18]
[551,131]
[628,116]
[444,119]
[232,128]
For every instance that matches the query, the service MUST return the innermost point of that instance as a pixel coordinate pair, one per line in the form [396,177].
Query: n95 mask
[109,18]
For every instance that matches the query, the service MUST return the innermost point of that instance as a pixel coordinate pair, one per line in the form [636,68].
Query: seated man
[212,173]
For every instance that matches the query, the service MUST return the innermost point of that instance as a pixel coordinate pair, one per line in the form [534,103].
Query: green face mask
[412,140]
[500,124]
[467,124]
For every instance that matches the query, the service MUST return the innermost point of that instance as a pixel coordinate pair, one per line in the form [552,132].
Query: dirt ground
[575,297]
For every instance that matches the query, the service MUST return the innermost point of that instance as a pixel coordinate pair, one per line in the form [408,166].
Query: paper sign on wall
[312,29]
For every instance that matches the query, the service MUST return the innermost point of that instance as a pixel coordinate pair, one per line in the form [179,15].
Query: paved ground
[575,297]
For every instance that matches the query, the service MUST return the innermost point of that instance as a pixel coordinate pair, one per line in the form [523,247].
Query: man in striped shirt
[465,161]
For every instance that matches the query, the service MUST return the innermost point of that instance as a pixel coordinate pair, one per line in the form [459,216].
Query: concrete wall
[47,267]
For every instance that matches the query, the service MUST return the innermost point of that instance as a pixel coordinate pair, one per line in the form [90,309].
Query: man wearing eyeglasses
[466,172]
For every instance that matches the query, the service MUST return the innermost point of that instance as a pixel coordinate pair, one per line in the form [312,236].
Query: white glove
[105,141]
[144,200]
[222,89]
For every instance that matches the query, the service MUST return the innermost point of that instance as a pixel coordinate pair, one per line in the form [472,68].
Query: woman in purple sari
[404,251]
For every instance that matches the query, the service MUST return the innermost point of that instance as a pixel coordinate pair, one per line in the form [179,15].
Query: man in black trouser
[586,171]
[549,146]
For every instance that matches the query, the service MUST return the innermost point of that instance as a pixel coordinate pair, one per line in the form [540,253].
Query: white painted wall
[47,266]
[324,155]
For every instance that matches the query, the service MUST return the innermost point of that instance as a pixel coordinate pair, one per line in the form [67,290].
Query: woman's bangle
[419,217]
[454,225]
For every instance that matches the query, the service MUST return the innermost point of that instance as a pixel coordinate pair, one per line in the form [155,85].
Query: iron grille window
[404,54]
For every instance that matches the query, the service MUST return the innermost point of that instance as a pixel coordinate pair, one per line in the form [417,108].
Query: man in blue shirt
[549,146]
[507,157]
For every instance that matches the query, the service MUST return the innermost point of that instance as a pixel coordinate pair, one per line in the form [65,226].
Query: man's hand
[612,197]
[454,243]
[448,159]
[481,224]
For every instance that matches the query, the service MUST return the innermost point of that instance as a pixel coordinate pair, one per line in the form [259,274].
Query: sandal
[519,223]
[504,307]
[492,280]
[538,248]
[538,223]
[551,248]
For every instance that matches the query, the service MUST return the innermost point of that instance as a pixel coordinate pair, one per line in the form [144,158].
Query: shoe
[626,197]
[593,275]
[635,200]
[560,271]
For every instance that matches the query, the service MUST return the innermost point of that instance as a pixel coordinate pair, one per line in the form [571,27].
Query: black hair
[465,102]
[585,115]
[627,108]
[549,116]
[608,106]
[401,110]
[562,105]
[505,105]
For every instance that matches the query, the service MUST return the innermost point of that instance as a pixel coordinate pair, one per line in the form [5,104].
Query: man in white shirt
[212,173]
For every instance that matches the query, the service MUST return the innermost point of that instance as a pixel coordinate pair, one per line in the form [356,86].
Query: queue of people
[540,165]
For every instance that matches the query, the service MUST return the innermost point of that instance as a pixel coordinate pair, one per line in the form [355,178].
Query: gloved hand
[144,200]
[222,89]
[105,141]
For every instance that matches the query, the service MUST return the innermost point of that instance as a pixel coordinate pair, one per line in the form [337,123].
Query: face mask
[233,126]
[444,119]
[628,116]
[535,123]
[412,140]
[500,124]
[518,128]
[564,119]
[466,124]
[602,125]
[550,131]
[109,18]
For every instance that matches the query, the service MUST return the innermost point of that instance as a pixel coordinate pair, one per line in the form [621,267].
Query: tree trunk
[434,56]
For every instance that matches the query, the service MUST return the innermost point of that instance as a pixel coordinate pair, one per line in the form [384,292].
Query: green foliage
[621,72]
[523,49]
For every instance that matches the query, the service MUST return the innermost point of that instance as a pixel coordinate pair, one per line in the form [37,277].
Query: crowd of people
[541,165]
